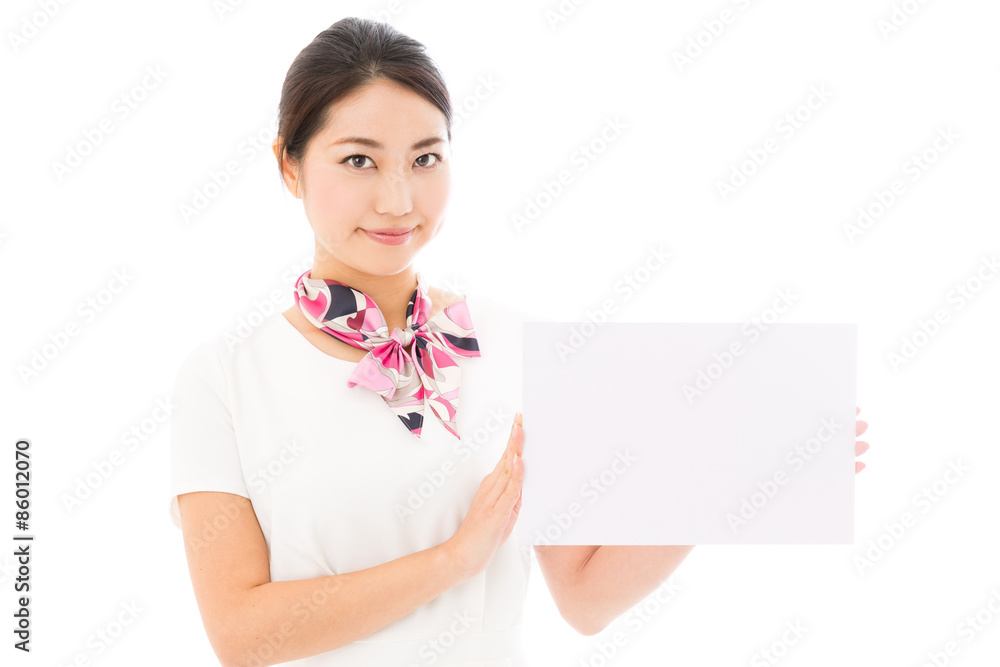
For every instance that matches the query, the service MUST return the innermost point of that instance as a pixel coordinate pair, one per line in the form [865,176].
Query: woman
[320,528]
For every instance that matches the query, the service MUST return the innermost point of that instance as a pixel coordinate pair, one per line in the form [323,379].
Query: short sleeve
[203,452]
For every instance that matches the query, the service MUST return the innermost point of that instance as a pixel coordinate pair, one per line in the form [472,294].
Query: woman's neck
[391,294]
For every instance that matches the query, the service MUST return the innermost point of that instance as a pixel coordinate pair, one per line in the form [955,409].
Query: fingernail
[518,418]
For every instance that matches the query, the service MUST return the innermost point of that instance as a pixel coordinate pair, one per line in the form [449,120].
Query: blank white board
[688,433]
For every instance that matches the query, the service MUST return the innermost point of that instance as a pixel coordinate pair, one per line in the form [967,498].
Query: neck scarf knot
[405,366]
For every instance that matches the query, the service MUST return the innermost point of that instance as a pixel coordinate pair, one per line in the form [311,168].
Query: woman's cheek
[336,209]
[435,198]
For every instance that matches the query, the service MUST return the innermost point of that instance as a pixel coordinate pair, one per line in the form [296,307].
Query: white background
[685,130]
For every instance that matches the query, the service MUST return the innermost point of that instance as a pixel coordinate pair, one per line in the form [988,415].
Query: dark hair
[351,53]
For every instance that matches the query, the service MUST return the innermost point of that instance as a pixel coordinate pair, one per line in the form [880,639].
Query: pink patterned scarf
[427,346]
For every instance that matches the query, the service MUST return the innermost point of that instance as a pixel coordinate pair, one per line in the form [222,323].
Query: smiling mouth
[391,231]
[392,237]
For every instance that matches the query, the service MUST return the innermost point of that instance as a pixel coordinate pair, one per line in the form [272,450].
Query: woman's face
[381,161]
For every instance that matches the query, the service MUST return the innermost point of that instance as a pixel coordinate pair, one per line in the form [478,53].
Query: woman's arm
[251,620]
[594,585]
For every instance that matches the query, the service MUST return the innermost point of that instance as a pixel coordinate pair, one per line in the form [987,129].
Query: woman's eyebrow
[371,143]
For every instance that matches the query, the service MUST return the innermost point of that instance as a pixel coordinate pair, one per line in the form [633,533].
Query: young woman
[348,477]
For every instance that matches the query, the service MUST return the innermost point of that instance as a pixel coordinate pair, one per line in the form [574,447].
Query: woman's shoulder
[503,306]
[483,303]
[441,298]
[215,354]
[203,357]
[224,347]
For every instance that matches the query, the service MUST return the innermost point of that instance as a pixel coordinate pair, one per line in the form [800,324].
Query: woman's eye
[354,160]
[358,161]
[437,158]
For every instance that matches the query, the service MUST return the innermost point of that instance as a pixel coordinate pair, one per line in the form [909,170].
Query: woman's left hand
[860,446]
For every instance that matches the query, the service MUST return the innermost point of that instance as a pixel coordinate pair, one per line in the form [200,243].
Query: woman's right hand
[494,510]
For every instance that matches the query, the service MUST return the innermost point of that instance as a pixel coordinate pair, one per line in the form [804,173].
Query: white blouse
[339,484]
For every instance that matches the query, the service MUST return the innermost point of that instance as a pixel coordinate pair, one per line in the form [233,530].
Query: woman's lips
[389,236]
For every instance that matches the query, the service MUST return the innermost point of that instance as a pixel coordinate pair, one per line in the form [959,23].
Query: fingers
[514,449]
[508,482]
[512,490]
[860,447]
[519,419]
[501,474]
[506,453]
[513,446]
[509,469]
[515,443]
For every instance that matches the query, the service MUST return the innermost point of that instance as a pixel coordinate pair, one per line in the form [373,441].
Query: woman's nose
[392,195]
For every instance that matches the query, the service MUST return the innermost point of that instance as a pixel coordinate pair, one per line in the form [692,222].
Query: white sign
[678,433]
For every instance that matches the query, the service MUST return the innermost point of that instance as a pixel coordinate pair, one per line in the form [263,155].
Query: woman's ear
[288,173]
